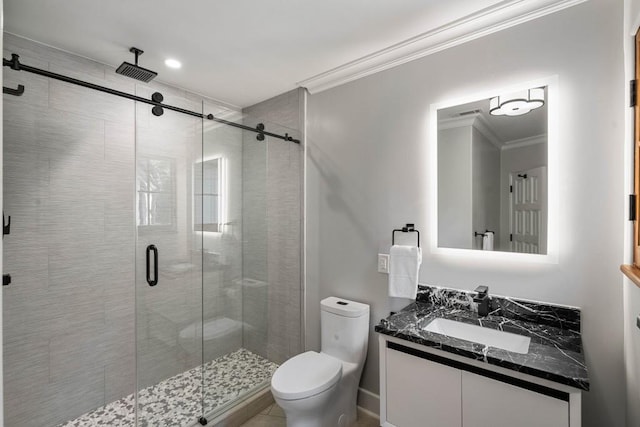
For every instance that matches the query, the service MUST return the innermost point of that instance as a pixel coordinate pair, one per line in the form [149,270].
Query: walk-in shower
[155,258]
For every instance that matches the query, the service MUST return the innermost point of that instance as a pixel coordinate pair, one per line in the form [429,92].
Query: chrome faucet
[482,300]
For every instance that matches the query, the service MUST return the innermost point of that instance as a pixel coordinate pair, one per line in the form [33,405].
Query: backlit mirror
[492,172]
[209,197]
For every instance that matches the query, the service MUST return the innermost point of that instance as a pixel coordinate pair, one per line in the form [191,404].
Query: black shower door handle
[154,281]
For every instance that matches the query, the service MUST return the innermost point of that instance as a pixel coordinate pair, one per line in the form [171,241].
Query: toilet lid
[305,375]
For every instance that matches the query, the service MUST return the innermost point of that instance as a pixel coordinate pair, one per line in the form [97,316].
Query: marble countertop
[555,352]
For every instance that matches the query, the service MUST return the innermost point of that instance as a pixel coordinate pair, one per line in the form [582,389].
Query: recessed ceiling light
[172,63]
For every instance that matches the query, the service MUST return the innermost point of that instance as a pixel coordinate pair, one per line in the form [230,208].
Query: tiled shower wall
[222,262]
[68,179]
[280,196]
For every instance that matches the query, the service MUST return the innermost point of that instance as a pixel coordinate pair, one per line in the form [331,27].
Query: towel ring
[409,228]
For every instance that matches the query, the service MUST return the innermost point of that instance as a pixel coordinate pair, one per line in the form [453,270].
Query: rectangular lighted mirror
[492,172]
[209,195]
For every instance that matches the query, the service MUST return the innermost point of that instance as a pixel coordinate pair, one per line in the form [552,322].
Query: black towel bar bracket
[16,92]
[409,228]
[476,234]
[6,226]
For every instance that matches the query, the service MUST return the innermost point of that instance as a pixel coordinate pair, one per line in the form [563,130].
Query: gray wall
[485,165]
[1,245]
[272,182]
[468,187]
[631,291]
[368,173]
[454,188]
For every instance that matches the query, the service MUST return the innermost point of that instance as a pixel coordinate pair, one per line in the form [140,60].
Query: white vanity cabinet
[490,403]
[414,404]
[424,387]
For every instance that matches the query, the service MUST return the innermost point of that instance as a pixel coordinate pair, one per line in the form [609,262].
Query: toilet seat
[305,375]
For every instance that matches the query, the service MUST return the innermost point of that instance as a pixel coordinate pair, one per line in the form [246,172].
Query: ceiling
[240,52]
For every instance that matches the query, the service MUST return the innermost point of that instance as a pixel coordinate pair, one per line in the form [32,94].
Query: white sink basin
[486,336]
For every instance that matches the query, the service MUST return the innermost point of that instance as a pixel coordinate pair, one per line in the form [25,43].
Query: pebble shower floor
[166,403]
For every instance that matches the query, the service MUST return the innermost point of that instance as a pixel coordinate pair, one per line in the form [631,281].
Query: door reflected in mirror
[492,168]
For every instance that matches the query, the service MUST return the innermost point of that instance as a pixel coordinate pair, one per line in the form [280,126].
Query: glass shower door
[246,329]
[168,265]
[239,162]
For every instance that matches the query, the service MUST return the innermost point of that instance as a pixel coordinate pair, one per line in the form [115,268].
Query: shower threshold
[175,401]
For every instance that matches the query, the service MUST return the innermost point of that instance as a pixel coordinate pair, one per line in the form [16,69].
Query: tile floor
[234,374]
[176,401]
[274,417]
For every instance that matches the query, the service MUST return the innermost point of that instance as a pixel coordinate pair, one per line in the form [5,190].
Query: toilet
[219,336]
[320,389]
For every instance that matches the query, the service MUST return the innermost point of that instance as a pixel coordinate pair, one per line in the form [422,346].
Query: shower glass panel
[239,302]
[68,171]
[155,261]
[168,263]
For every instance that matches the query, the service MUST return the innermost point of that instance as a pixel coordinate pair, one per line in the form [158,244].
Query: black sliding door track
[14,64]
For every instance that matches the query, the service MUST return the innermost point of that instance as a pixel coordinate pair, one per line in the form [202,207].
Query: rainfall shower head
[134,71]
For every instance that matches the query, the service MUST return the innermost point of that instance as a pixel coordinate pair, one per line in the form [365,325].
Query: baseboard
[244,411]
[368,406]
[364,414]
[369,402]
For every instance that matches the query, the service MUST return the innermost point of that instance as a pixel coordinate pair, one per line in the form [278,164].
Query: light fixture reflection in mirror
[517,104]
[492,174]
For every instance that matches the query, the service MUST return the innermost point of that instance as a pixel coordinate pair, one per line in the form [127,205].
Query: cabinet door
[491,403]
[421,393]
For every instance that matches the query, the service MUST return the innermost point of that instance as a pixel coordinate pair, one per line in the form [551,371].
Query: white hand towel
[487,241]
[404,265]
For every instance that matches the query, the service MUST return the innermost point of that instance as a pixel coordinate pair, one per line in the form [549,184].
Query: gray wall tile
[58,401]
[29,360]
[69,186]
[272,230]
[79,350]
[119,377]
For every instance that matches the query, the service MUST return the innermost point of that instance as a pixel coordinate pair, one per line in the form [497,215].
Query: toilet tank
[345,329]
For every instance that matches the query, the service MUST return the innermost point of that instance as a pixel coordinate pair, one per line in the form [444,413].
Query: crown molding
[476,121]
[523,142]
[457,122]
[500,16]
[483,127]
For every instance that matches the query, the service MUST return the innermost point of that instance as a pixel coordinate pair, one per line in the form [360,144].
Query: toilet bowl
[320,389]
[304,387]
[219,336]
